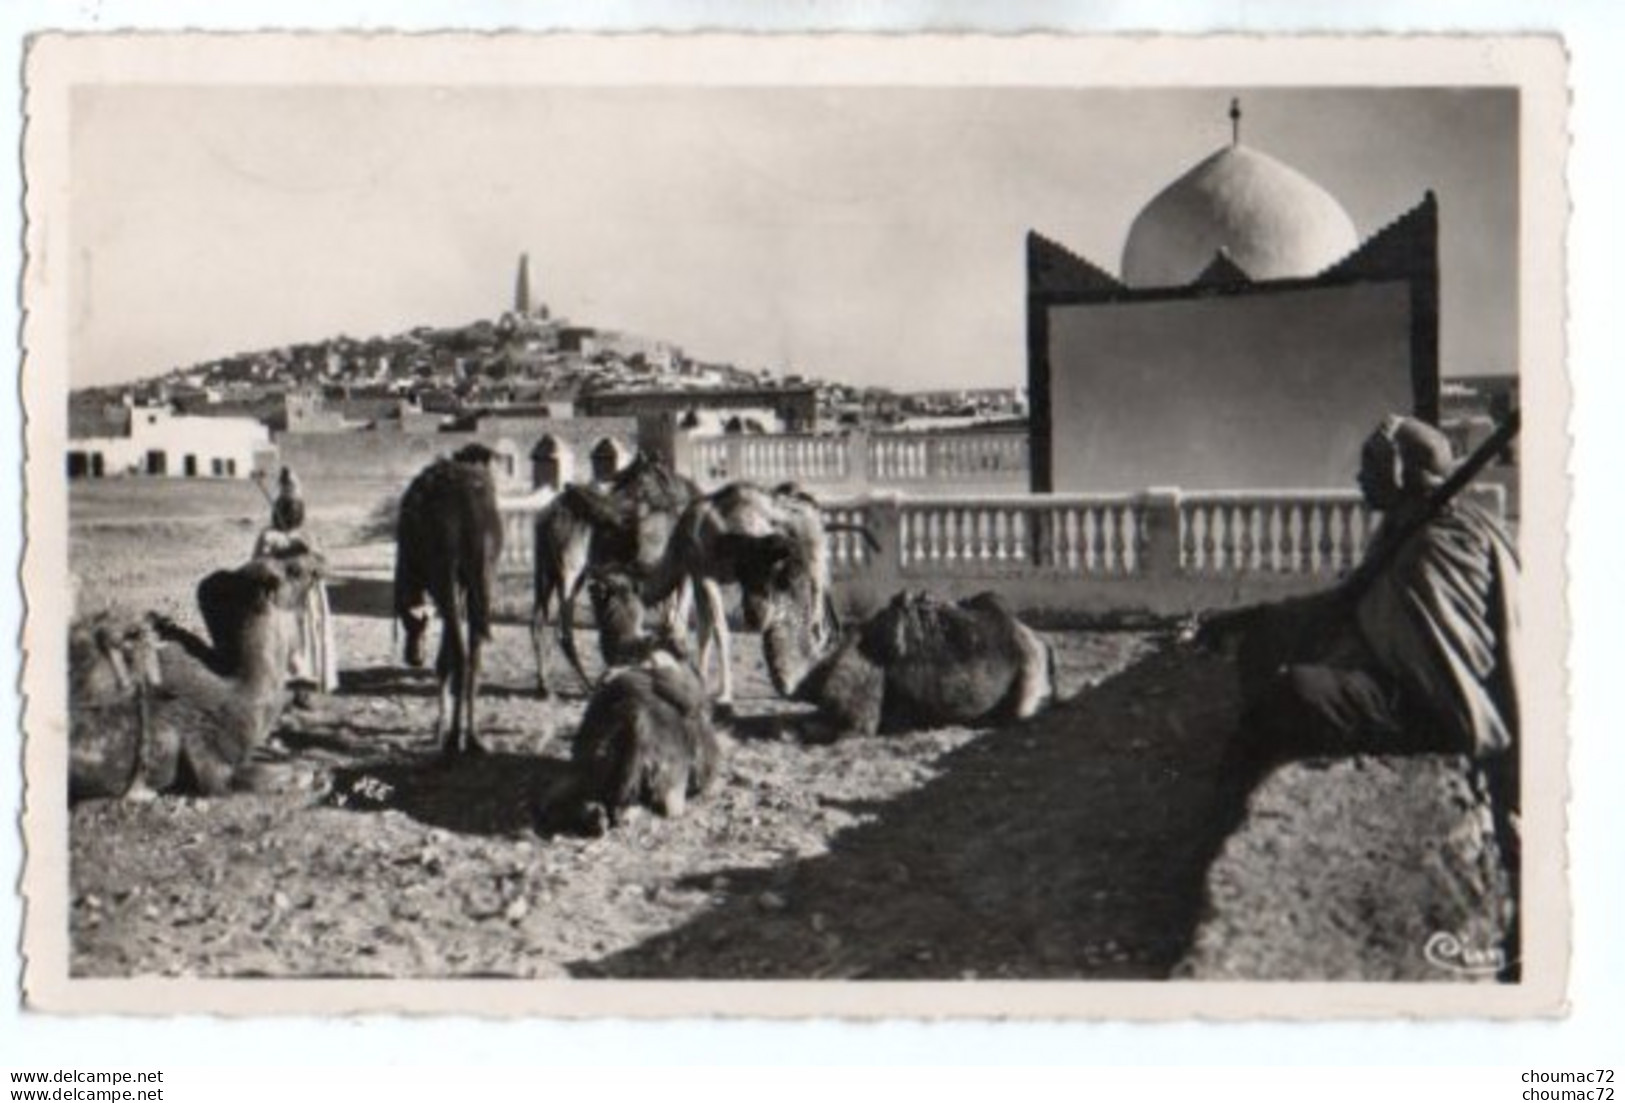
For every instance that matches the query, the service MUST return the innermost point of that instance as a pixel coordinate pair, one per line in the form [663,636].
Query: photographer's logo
[1446,951]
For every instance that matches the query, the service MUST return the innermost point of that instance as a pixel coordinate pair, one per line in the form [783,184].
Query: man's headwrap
[288,511]
[1424,452]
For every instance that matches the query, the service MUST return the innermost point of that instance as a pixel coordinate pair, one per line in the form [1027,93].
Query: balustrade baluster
[1278,538]
[1114,539]
[1205,516]
[1319,552]
[1340,537]
[1295,538]
[1248,541]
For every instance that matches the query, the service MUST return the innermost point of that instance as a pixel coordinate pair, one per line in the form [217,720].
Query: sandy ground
[945,853]
[1081,844]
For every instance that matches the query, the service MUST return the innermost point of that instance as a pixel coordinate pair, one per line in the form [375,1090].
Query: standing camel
[447,541]
[625,527]
[773,544]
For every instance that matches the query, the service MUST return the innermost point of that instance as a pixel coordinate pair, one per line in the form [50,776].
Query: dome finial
[1235,121]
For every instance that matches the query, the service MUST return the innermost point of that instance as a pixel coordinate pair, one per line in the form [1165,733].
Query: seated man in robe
[1413,651]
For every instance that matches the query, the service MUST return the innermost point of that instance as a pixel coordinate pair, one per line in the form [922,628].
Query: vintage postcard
[827,525]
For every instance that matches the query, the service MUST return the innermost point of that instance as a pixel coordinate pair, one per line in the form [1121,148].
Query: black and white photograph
[947,526]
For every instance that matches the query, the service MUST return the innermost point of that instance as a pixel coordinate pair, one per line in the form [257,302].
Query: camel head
[782,600]
[617,606]
[129,648]
[300,568]
[476,455]
[415,623]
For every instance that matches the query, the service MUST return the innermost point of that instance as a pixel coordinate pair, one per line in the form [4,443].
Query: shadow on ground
[401,681]
[1077,843]
[489,794]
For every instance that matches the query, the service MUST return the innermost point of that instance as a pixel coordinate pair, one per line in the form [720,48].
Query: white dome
[1271,220]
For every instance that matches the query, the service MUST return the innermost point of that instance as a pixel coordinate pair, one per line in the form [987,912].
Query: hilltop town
[524,357]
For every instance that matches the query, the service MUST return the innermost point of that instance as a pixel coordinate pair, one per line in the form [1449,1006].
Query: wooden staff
[1209,631]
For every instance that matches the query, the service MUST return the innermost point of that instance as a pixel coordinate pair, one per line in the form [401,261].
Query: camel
[626,524]
[920,662]
[645,739]
[447,542]
[193,711]
[772,543]
[221,700]
[112,673]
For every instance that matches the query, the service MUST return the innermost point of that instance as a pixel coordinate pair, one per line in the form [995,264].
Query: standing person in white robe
[314,666]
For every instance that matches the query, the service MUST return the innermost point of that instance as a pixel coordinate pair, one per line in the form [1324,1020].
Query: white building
[157,441]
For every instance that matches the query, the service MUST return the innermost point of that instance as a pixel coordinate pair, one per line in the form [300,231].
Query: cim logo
[1446,951]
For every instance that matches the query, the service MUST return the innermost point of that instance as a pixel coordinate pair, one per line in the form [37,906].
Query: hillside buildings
[154,440]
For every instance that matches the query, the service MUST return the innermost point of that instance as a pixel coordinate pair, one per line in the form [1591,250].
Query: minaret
[521,287]
[1235,121]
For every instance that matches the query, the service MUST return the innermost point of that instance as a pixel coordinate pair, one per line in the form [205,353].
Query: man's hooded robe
[1440,623]
[1424,655]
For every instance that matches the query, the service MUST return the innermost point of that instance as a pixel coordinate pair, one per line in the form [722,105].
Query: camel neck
[263,651]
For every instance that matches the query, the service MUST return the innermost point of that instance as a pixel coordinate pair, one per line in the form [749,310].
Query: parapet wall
[1359,869]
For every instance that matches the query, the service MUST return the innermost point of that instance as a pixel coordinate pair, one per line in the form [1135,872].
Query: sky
[866,235]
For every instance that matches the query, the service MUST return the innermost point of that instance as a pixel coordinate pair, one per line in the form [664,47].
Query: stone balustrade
[924,463]
[1064,557]
[1061,558]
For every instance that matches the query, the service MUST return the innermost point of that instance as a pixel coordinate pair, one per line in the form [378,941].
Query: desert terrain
[1103,839]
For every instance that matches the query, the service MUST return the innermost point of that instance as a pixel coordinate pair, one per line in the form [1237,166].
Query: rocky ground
[1081,844]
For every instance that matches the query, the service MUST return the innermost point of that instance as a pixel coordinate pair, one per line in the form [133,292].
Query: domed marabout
[1271,220]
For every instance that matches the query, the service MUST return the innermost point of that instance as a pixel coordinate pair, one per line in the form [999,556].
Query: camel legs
[456,668]
[471,690]
[713,624]
[445,664]
[538,639]
[1036,686]
[567,631]
[678,608]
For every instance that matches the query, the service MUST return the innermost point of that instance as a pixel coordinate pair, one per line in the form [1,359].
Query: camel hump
[990,602]
[650,486]
[916,624]
[795,492]
[589,504]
